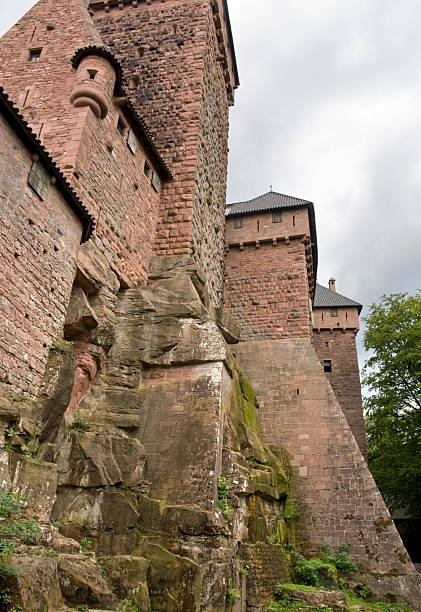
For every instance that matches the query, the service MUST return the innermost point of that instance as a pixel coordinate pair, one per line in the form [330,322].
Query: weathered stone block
[80,317]
[128,578]
[81,582]
[108,517]
[37,587]
[36,481]
[92,459]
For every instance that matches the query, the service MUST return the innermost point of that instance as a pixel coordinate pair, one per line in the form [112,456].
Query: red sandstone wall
[340,347]
[107,176]
[171,59]
[337,495]
[261,226]
[267,292]
[347,319]
[39,241]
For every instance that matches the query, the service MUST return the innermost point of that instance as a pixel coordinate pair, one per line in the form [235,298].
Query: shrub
[233,594]
[342,560]
[14,529]
[79,424]
[85,545]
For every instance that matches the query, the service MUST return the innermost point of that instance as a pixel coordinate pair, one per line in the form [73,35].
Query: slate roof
[273,200]
[268,201]
[17,122]
[325,298]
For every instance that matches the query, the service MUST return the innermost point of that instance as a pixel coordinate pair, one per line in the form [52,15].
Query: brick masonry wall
[340,347]
[108,177]
[171,59]
[346,318]
[266,290]
[294,222]
[336,493]
[39,241]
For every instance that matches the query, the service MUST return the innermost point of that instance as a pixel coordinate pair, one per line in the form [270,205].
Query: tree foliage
[392,377]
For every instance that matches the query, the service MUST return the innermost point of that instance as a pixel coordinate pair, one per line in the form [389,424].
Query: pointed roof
[268,201]
[325,298]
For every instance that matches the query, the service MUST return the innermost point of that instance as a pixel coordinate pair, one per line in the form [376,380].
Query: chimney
[332,284]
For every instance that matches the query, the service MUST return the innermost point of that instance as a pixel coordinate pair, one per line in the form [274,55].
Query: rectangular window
[334,312]
[34,55]
[327,365]
[238,222]
[121,126]
[146,168]
[39,179]
[276,216]
[156,181]
[132,141]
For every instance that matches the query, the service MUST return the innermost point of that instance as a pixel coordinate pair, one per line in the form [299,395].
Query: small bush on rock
[14,529]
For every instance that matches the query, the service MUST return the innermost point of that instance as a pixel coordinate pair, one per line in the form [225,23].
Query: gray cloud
[328,110]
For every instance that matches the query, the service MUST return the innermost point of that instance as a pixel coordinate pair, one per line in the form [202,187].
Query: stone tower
[179,61]
[335,326]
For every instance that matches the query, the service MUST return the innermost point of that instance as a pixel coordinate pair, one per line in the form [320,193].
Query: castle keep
[189,393]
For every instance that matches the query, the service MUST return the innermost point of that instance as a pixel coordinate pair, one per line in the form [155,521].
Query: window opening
[26,97]
[121,126]
[276,216]
[258,226]
[92,74]
[346,316]
[140,51]
[238,222]
[146,168]
[293,220]
[34,55]
[327,365]
[334,312]
[156,181]
[39,179]
[327,344]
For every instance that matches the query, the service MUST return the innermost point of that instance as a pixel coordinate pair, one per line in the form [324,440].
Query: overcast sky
[329,110]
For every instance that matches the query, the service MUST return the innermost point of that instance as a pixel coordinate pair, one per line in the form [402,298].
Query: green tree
[392,377]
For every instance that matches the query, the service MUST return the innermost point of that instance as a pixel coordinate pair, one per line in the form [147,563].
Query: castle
[189,394]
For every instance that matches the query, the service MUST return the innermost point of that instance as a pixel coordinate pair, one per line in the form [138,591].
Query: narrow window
[156,181]
[238,222]
[34,55]
[140,51]
[293,220]
[132,141]
[327,365]
[146,168]
[26,97]
[346,316]
[334,312]
[39,179]
[326,344]
[92,74]
[276,216]
[322,316]
[258,226]
[121,126]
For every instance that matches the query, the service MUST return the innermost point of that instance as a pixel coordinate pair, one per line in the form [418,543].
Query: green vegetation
[233,594]
[80,425]
[86,545]
[14,529]
[392,376]
[127,606]
[223,492]
[342,560]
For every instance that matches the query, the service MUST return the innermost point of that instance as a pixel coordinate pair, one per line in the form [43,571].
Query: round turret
[95,82]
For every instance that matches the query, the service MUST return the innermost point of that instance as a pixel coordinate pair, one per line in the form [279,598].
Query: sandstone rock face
[107,517]
[92,459]
[38,586]
[81,582]
[36,481]
[128,577]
